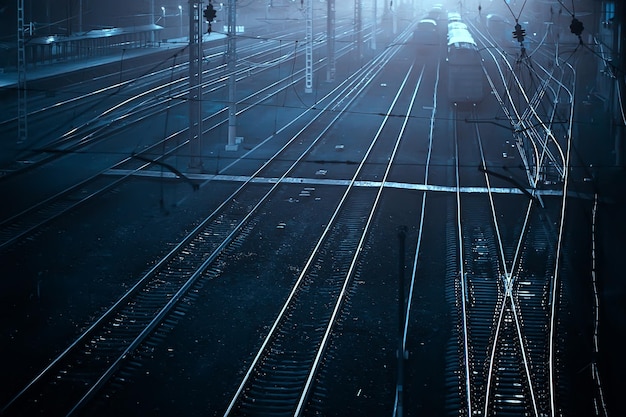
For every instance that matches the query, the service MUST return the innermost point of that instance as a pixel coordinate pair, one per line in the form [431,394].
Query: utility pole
[80,16]
[375,26]
[330,41]
[233,140]
[358,28]
[308,71]
[619,43]
[394,17]
[195,86]
[401,319]
[22,114]
[152,21]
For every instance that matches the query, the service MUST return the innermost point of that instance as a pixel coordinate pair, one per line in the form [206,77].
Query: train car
[465,76]
[454,17]
[439,14]
[426,35]
[499,28]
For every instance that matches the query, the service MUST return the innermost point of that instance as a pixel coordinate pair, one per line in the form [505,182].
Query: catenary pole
[232,78]
[308,71]
[358,28]
[195,86]
[330,40]
[374,26]
[22,121]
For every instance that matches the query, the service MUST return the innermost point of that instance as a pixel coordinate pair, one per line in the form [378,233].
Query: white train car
[466,78]
[426,35]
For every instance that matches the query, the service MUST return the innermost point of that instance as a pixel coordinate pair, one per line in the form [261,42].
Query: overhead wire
[513,13]
[293,70]
[565,7]
[521,10]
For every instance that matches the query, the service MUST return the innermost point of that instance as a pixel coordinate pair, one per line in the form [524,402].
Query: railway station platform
[9,78]
[42,50]
[9,152]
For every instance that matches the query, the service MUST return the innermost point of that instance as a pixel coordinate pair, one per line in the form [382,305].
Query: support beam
[151,22]
[195,86]
[358,28]
[374,25]
[330,41]
[401,351]
[22,121]
[394,17]
[80,16]
[620,83]
[308,71]
[233,141]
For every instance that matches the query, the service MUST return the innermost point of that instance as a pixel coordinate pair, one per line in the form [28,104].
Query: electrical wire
[521,10]
[513,13]
[293,70]
[565,7]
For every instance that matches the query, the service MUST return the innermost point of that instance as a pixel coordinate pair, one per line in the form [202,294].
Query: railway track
[282,374]
[504,279]
[125,81]
[28,221]
[509,273]
[536,135]
[138,99]
[506,298]
[75,376]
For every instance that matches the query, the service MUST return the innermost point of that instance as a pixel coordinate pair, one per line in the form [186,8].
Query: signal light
[210,13]
[576,27]
[519,33]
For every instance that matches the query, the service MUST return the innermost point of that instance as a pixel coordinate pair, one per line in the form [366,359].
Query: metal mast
[232,77]
[374,26]
[80,16]
[330,40]
[619,43]
[309,48]
[22,122]
[152,21]
[358,27]
[394,16]
[195,86]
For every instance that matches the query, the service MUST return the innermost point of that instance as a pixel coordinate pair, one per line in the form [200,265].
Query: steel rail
[461,278]
[421,226]
[146,278]
[251,47]
[370,218]
[8,225]
[524,126]
[375,68]
[100,123]
[509,281]
[510,271]
[556,276]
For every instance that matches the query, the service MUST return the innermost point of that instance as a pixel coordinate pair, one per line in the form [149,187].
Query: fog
[62,17]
